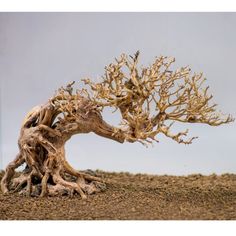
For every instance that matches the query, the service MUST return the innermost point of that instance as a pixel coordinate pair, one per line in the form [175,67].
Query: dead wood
[148,99]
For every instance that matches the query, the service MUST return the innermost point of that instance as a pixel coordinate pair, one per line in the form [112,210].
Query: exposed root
[92,187]
[55,181]
[72,186]
[50,176]
[44,184]
[19,182]
[70,170]
[58,190]
[10,171]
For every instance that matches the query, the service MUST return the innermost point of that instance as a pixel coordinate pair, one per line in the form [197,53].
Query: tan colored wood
[148,99]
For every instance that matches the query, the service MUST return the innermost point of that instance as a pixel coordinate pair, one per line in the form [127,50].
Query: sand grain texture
[135,197]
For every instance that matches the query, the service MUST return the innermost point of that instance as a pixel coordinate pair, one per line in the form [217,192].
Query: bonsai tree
[149,100]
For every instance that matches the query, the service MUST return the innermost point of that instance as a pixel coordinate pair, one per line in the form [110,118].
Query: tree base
[52,177]
[27,184]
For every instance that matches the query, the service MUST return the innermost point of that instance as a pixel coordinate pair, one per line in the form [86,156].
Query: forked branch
[150,96]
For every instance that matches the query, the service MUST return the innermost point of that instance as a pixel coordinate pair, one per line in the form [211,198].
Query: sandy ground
[132,197]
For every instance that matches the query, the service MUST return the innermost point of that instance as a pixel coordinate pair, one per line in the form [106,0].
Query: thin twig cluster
[149,97]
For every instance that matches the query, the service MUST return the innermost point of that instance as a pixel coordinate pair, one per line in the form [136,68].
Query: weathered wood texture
[149,100]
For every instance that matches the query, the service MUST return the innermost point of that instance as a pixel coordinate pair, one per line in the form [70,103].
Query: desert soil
[134,197]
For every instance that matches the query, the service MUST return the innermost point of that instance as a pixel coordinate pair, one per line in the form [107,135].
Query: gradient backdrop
[40,52]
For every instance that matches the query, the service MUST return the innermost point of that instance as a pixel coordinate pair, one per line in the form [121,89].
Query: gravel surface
[131,197]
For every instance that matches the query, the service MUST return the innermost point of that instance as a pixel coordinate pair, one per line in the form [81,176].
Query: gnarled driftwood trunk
[41,148]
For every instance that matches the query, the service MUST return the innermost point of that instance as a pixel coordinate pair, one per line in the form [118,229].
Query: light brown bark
[41,148]
[147,100]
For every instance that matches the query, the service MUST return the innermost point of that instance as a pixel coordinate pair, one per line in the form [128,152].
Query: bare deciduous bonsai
[149,99]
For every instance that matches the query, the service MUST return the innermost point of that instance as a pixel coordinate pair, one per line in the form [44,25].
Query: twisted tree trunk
[41,147]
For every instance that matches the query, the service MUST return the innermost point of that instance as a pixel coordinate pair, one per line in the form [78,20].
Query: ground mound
[134,197]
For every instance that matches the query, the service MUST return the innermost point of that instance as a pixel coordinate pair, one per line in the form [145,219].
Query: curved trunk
[41,148]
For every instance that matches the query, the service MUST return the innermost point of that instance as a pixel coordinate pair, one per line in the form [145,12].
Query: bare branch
[148,97]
